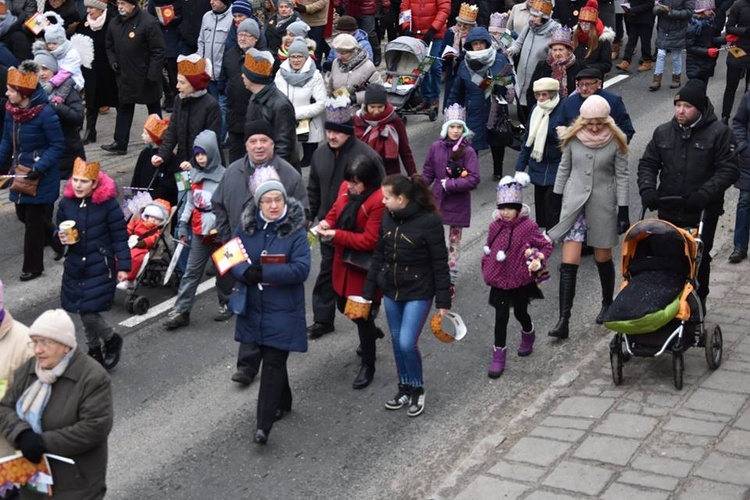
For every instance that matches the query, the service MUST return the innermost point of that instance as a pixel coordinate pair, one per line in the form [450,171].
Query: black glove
[623,219]
[341,11]
[253,274]
[429,36]
[115,67]
[31,445]
[650,199]
[555,203]
[33,175]
[326,66]
[697,201]
[301,8]
[408,33]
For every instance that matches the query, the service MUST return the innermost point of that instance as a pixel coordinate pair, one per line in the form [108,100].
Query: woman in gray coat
[591,189]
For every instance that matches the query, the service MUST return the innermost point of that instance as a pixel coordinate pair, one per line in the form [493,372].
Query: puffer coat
[92,264]
[672,26]
[426,14]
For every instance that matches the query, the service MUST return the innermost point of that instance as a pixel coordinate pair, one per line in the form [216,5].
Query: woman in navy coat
[272,314]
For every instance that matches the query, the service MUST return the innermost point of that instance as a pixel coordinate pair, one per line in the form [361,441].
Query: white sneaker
[125,285]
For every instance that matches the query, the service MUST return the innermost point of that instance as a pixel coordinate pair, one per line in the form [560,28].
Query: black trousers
[37,235]
[169,86]
[642,32]
[734,75]
[124,120]
[236,141]
[544,216]
[498,157]
[308,149]
[248,359]
[502,315]
[323,296]
[274,392]
[366,329]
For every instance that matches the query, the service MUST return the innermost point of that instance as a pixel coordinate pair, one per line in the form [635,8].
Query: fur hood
[292,221]
[608,35]
[104,191]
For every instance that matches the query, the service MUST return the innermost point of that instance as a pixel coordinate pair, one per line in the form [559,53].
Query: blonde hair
[593,39]
[581,122]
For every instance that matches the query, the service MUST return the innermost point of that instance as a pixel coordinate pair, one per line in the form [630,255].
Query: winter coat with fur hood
[601,57]
[92,264]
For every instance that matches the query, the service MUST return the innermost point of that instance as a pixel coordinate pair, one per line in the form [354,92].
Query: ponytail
[413,189]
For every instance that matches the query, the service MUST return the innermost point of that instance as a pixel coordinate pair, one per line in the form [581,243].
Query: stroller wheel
[616,361]
[129,301]
[714,346]
[678,367]
[432,115]
[141,305]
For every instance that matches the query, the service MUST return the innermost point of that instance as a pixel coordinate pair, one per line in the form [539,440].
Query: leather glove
[697,201]
[429,36]
[732,38]
[33,175]
[31,445]
[183,231]
[253,274]
[713,52]
[115,67]
[650,199]
[623,219]
[301,8]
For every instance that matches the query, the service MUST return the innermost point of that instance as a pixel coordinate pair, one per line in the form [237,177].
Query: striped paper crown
[468,13]
[509,192]
[454,112]
[338,110]
[498,21]
[87,170]
[262,175]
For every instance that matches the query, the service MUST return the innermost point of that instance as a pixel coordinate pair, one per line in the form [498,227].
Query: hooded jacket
[198,209]
[91,265]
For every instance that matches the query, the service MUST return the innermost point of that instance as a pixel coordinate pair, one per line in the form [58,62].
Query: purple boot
[498,362]
[527,342]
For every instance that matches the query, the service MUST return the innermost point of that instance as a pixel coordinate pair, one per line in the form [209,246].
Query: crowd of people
[256,94]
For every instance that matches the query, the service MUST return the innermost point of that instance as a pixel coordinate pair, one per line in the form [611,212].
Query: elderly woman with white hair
[61,403]
[352,71]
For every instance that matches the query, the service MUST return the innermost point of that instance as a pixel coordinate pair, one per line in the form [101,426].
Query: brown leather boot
[624,65]
[646,66]
[675,82]
[616,46]
[656,85]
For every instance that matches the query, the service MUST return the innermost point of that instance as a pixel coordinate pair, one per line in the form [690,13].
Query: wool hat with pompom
[595,106]
[56,325]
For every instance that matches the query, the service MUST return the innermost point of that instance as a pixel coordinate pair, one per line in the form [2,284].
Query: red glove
[732,38]
[713,52]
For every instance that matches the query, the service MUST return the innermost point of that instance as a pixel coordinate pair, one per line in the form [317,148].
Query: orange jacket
[426,14]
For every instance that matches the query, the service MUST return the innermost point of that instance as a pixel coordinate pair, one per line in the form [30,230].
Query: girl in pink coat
[513,265]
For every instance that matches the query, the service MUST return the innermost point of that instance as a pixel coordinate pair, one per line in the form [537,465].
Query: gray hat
[269,185]
[54,33]
[298,28]
[45,59]
[249,26]
[298,46]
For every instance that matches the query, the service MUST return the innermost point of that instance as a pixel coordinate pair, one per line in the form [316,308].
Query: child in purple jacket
[513,265]
[452,167]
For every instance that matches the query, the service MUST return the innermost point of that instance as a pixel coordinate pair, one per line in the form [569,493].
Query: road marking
[164,306]
[614,80]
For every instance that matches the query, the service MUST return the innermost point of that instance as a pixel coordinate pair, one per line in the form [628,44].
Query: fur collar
[103,192]
[294,219]
[608,35]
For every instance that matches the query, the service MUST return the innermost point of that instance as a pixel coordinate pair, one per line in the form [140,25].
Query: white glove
[132,241]
[522,178]
[442,182]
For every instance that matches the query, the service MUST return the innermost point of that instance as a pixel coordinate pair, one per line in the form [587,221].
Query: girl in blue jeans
[410,266]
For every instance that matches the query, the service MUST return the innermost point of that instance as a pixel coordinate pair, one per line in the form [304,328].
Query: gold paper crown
[468,13]
[259,66]
[589,13]
[156,127]
[187,68]
[87,170]
[542,6]
[17,78]
[3,8]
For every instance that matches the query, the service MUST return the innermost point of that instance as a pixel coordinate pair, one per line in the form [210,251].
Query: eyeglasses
[297,57]
[244,35]
[584,85]
[272,201]
[43,343]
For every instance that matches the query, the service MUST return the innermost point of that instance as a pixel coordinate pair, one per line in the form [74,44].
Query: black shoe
[260,436]
[29,276]
[364,377]
[112,350]
[280,413]
[115,148]
[359,350]
[560,330]
[242,378]
[223,314]
[89,137]
[737,256]
[600,317]
[401,398]
[177,319]
[96,353]
[317,330]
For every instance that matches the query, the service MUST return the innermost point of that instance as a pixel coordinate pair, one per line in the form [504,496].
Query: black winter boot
[112,350]
[96,353]
[568,273]
[607,280]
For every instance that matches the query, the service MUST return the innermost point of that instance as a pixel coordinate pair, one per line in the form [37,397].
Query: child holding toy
[514,263]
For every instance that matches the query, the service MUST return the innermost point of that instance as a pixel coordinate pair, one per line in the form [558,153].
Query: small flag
[404,17]
[229,255]
[165,14]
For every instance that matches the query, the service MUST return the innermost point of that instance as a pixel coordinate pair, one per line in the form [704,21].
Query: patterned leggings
[454,251]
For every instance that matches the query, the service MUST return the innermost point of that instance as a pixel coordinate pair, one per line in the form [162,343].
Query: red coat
[356,8]
[426,14]
[347,281]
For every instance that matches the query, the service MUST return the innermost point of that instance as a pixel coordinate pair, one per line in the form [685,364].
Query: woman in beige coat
[591,193]
[352,70]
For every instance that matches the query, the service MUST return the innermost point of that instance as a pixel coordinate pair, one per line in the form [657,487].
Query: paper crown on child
[261,175]
[590,12]
[562,36]
[509,191]
[339,115]
[704,5]
[454,114]
[468,14]
[258,67]
[3,8]
[23,79]
[541,8]
[498,21]
[196,69]
[156,127]
[86,169]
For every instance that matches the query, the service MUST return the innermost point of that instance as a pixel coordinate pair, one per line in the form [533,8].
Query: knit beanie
[97,4]
[265,187]
[290,3]
[256,127]
[298,46]
[56,325]
[242,7]
[45,59]
[249,26]
[298,28]
[376,94]
[195,69]
[154,211]
[132,2]
[339,115]
[693,92]
[258,67]
[54,33]
[595,106]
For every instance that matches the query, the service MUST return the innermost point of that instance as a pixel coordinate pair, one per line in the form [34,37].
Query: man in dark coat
[693,156]
[326,175]
[190,27]
[135,49]
[232,196]
[270,104]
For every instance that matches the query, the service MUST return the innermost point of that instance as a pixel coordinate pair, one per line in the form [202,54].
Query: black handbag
[357,260]
[506,133]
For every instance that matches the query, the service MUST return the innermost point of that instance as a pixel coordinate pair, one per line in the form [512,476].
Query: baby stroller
[407,61]
[658,309]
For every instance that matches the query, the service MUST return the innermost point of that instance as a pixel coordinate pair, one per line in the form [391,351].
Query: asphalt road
[184,431]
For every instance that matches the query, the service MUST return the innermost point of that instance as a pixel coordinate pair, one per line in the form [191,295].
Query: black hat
[347,24]
[589,73]
[693,92]
[255,127]
[376,94]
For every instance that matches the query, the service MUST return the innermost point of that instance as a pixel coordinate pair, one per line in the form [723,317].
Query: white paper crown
[454,112]
[338,110]
[262,175]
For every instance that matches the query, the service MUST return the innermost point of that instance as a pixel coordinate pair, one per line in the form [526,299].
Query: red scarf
[584,37]
[22,115]
[379,134]
[560,71]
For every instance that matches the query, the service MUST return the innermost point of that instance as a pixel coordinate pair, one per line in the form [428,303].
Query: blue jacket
[364,42]
[571,108]
[542,172]
[38,144]
[91,265]
[274,316]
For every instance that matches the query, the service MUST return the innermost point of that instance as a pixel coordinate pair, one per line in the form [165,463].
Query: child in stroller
[143,234]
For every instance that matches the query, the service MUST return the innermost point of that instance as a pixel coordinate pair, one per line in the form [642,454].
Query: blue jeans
[661,56]
[222,100]
[742,222]
[199,255]
[406,319]
[433,78]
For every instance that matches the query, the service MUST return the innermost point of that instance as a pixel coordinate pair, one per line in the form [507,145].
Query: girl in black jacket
[410,266]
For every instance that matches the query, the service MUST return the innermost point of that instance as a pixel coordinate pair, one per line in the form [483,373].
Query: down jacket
[191,116]
[741,130]
[672,26]
[309,100]
[426,14]
[91,265]
[14,351]
[76,421]
[738,23]
[700,158]
[38,144]
[275,315]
